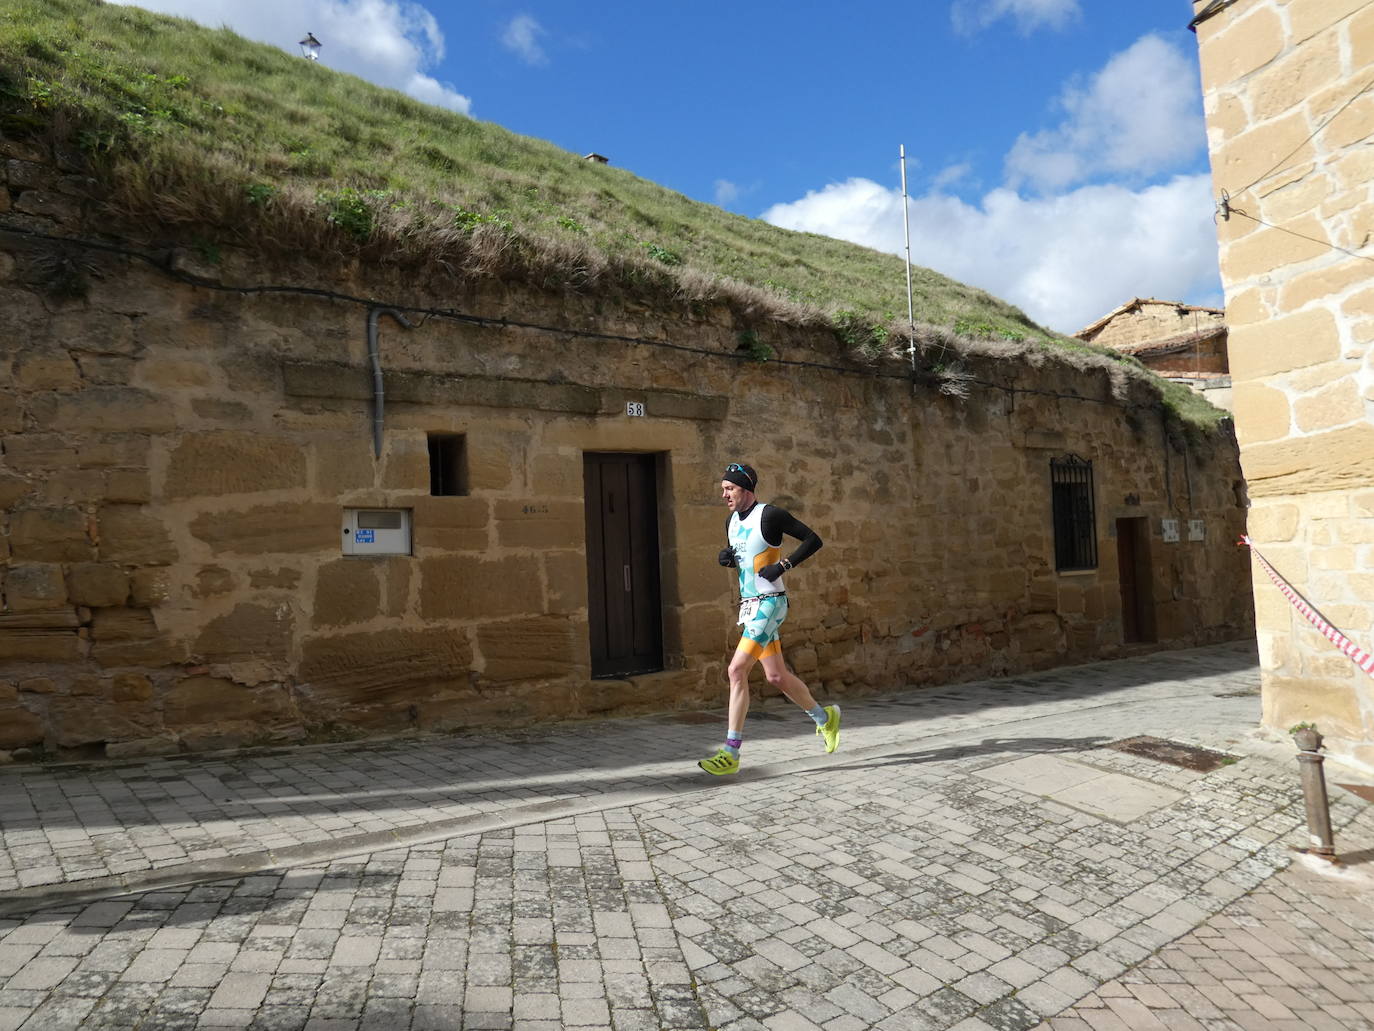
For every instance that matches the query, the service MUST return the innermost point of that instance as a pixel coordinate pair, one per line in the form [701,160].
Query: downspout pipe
[378,393]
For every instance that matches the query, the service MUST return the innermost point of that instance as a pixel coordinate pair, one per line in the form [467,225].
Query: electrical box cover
[376,531]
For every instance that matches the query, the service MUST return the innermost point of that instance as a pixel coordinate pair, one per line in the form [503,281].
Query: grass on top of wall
[201,128]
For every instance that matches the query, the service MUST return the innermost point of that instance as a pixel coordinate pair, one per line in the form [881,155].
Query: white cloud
[1140,115]
[970,16]
[726,192]
[522,37]
[389,42]
[950,175]
[1065,260]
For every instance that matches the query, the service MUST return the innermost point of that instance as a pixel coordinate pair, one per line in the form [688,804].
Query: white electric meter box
[376,531]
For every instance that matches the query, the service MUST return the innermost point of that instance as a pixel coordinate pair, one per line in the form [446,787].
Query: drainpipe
[378,394]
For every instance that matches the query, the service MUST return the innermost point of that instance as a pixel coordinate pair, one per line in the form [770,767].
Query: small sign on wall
[1197,530]
[1168,529]
[634,408]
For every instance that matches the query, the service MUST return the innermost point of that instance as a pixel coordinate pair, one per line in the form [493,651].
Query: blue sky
[1056,148]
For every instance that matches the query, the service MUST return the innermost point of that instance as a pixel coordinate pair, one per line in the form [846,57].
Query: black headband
[741,476]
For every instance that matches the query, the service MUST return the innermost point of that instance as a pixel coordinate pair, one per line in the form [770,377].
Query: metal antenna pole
[906,235]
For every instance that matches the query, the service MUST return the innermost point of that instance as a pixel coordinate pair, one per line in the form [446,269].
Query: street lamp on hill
[310,47]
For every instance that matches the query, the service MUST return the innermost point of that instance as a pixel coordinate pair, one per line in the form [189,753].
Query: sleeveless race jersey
[753,553]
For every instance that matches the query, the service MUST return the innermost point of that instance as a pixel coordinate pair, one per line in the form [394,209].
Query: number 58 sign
[634,407]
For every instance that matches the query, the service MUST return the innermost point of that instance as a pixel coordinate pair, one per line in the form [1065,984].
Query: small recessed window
[448,465]
[1075,523]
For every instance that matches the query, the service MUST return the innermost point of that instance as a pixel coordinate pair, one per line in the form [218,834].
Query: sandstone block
[249,632]
[1266,523]
[407,467]
[106,409]
[707,630]
[271,529]
[132,536]
[46,371]
[472,587]
[33,454]
[1037,633]
[50,535]
[1335,460]
[128,486]
[34,587]
[123,625]
[149,588]
[1332,705]
[72,487]
[379,668]
[162,374]
[1272,248]
[13,488]
[1335,406]
[1283,344]
[273,579]
[538,648]
[451,523]
[1312,286]
[19,728]
[1360,36]
[201,700]
[97,585]
[227,462]
[48,204]
[84,721]
[1239,46]
[541,524]
[131,687]
[104,450]
[343,465]
[212,581]
[566,575]
[143,748]
[346,591]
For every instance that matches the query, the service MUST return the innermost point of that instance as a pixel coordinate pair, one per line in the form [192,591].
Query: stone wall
[1289,119]
[1148,320]
[178,452]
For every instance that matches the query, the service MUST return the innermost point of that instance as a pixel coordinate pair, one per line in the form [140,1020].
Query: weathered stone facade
[1181,342]
[1289,120]
[177,457]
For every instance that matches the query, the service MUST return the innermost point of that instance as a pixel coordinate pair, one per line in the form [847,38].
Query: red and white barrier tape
[1349,648]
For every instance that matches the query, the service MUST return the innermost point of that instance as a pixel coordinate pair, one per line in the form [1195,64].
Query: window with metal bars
[1075,524]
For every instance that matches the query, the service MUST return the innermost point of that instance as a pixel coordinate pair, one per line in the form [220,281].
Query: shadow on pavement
[987,747]
[569,759]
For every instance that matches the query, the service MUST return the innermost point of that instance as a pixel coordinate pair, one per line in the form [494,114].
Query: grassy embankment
[248,145]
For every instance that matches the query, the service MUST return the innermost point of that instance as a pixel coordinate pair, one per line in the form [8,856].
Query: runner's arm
[777,522]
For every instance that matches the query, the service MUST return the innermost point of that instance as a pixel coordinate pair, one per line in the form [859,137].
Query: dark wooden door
[623,606]
[1133,569]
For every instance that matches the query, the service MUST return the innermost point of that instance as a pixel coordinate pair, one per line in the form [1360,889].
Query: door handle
[627,578]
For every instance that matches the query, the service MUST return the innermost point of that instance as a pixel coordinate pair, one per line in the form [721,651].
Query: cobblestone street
[973,857]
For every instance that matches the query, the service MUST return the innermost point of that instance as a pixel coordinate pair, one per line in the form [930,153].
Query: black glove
[772,571]
[727,557]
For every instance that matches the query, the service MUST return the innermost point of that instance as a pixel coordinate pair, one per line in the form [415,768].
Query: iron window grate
[1075,522]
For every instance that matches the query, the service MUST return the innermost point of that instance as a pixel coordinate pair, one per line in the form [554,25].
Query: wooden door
[1133,569]
[623,605]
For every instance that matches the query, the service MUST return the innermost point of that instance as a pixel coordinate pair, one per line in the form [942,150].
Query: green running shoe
[720,764]
[831,731]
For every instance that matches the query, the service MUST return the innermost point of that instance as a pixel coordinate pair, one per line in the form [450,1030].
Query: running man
[755,532]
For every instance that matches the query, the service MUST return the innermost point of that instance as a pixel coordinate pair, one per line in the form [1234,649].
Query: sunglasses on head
[735,467]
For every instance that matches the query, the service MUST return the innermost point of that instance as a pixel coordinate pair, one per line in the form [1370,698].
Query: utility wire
[1302,236]
[453,315]
[1329,119]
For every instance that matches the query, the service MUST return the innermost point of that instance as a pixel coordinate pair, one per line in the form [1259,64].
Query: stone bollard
[1314,798]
